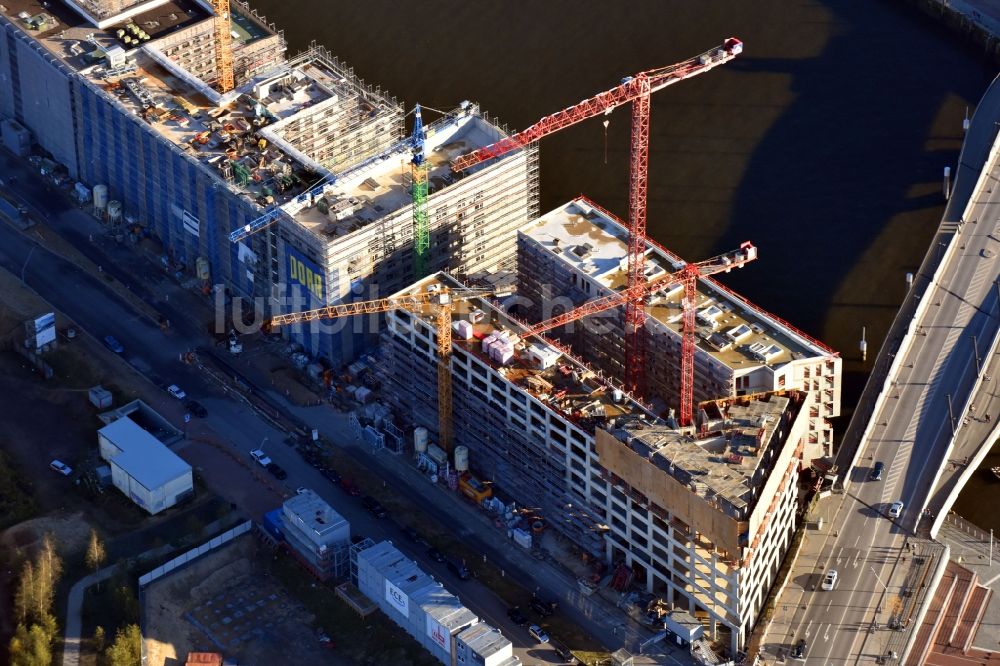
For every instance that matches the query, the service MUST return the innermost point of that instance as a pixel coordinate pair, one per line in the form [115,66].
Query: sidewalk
[72,636]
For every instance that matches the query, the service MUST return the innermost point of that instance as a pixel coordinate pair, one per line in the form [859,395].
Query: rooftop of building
[313,513]
[143,457]
[729,456]
[219,131]
[381,186]
[484,640]
[735,332]
[537,366]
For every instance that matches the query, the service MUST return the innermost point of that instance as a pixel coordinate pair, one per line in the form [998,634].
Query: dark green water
[824,143]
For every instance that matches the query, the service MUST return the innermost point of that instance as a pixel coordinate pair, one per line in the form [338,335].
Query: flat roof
[142,456]
[181,108]
[314,513]
[593,243]
[484,639]
[561,382]
[727,457]
[381,186]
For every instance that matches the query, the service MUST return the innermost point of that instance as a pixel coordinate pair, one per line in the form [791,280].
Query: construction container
[487,341]
[504,354]
[100,197]
[363,395]
[521,537]
[413,600]
[461,459]
[420,437]
[202,267]
[114,211]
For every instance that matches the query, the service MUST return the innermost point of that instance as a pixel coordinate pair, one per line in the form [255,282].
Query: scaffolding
[520,467]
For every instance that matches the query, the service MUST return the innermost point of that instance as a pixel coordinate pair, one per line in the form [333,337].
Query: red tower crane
[635,89]
[636,295]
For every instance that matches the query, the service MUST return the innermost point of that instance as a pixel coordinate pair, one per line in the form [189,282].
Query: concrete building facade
[182,163]
[577,252]
[357,240]
[550,433]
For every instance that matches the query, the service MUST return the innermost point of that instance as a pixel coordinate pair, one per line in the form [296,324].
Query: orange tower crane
[442,301]
[638,294]
[223,45]
[635,89]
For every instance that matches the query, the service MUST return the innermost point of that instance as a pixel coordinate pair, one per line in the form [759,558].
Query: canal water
[824,143]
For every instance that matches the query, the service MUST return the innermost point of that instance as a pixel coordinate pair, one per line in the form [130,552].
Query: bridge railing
[922,302]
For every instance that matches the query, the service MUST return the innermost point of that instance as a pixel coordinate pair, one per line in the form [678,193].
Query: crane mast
[636,295]
[418,171]
[223,45]
[635,90]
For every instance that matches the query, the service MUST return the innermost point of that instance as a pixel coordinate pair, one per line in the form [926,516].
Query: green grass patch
[16,500]
[371,640]
[70,370]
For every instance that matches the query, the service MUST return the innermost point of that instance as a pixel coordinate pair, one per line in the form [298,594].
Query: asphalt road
[154,353]
[911,436]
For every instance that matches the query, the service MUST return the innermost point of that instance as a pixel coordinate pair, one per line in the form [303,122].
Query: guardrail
[910,335]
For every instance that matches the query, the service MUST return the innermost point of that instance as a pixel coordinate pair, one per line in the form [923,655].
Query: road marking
[807,628]
[859,536]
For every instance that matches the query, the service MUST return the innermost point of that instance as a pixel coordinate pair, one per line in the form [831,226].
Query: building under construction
[136,111]
[703,520]
[577,252]
[357,238]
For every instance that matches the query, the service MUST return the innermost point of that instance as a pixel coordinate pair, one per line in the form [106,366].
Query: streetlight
[26,260]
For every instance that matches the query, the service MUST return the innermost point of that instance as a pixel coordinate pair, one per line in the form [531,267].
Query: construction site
[562,371]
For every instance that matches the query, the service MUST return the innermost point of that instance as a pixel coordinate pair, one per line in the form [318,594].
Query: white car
[896,510]
[176,391]
[260,457]
[538,633]
[830,580]
[61,467]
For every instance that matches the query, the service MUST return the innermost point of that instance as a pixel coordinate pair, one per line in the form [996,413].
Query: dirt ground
[227,602]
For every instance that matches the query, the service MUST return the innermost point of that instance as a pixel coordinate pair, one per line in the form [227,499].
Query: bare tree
[96,553]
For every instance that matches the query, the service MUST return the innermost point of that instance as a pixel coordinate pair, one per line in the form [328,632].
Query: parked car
[61,467]
[435,554]
[112,343]
[896,510]
[374,506]
[459,569]
[877,470]
[799,651]
[542,607]
[279,473]
[260,457]
[349,487]
[330,475]
[830,580]
[176,391]
[538,633]
[196,408]
[517,616]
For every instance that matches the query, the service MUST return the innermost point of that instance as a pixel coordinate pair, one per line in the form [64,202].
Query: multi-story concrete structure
[706,523]
[528,422]
[140,122]
[707,519]
[357,239]
[426,610]
[578,252]
[317,534]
